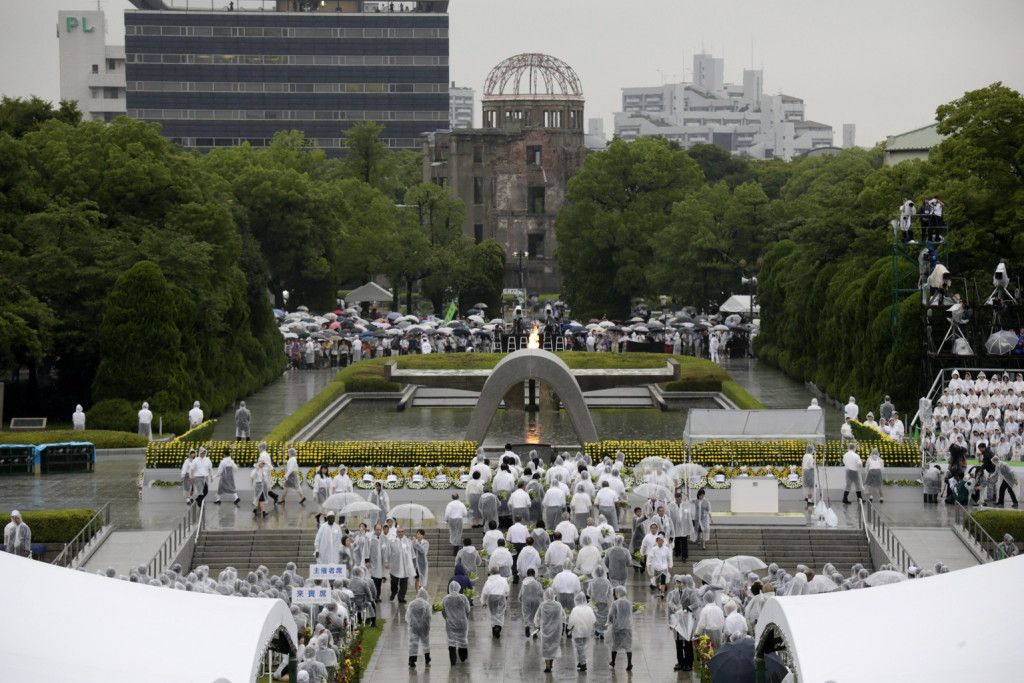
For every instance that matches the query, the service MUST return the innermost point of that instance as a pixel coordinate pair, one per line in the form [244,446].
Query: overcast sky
[881,64]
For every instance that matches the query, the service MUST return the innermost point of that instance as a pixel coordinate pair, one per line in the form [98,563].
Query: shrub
[370,383]
[203,432]
[97,437]
[113,414]
[999,522]
[698,384]
[52,526]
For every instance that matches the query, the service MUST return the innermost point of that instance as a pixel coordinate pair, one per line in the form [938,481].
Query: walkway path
[937,544]
[276,401]
[126,549]
[775,389]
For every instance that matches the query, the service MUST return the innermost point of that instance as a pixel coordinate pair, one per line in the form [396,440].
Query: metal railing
[74,547]
[975,532]
[875,526]
[189,525]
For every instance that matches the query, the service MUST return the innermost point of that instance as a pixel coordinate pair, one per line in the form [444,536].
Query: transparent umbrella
[726,575]
[688,472]
[651,465]
[360,509]
[647,490]
[413,514]
[884,577]
[706,568]
[339,501]
[1001,343]
[746,563]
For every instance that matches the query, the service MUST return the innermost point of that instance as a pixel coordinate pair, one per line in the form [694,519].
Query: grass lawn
[370,638]
[101,438]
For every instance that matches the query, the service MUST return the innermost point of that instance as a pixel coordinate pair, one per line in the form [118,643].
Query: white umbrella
[394,332]
[1001,343]
[688,325]
[651,464]
[746,563]
[706,568]
[478,319]
[411,512]
[640,328]
[636,319]
[726,575]
[497,321]
[720,328]
[361,509]
[339,501]
[290,335]
[648,490]
[445,330]
[886,576]
[688,471]
[606,323]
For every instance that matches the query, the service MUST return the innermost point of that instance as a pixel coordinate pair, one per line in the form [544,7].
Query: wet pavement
[276,401]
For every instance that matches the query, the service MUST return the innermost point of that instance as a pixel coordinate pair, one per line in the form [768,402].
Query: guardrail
[190,524]
[975,532]
[875,526]
[74,547]
[941,380]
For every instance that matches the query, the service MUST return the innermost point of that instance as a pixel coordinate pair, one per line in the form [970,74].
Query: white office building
[849,135]
[738,117]
[595,139]
[91,72]
[460,107]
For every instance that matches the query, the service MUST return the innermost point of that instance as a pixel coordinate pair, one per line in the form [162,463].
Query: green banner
[453,310]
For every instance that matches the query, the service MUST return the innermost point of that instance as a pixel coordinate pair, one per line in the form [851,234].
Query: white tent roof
[64,625]
[738,303]
[371,292]
[919,630]
[754,425]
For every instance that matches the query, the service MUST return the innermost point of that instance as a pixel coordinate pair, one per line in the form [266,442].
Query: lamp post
[519,256]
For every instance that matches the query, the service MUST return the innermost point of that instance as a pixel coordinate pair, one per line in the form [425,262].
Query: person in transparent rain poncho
[680,620]
[531,593]
[600,591]
[456,612]
[621,620]
[711,620]
[549,621]
[495,596]
[418,615]
[581,624]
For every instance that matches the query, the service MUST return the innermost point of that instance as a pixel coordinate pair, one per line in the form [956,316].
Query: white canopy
[371,292]
[754,425]
[738,303]
[918,630]
[63,625]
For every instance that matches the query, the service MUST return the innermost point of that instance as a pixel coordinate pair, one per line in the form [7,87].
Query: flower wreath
[786,479]
[713,474]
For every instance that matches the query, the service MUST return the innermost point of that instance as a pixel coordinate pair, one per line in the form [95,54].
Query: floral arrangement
[545,582]
[703,651]
[639,607]
[349,669]
[416,484]
[469,593]
[437,607]
[718,477]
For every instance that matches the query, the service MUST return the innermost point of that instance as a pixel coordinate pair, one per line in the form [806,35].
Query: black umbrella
[734,663]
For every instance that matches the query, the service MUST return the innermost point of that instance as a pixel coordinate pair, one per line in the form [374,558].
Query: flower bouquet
[639,607]
[438,607]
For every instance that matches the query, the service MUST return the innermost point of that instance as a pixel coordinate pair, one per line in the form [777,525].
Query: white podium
[754,495]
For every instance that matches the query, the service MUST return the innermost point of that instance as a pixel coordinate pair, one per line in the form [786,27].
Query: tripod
[1000,293]
[954,333]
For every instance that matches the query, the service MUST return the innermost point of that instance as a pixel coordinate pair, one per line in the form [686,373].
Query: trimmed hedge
[203,432]
[52,526]
[370,383]
[113,414]
[999,522]
[97,437]
[699,384]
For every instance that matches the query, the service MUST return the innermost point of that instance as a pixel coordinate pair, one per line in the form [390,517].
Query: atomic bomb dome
[532,75]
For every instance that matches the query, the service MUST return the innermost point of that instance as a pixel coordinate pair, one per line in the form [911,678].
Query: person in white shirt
[568,530]
[146,421]
[853,465]
[495,597]
[455,514]
[592,532]
[202,469]
[735,622]
[874,475]
[341,483]
[475,489]
[554,505]
[501,559]
[293,477]
[580,506]
[325,545]
[195,416]
[846,430]
[516,538]
[588,557]
[581,624]
[519,502]
[809,464]
[226,469]
[851,410]
[78,419]
[509,453]
[186,475]
[558,553]
[659,557]
[606,499]
[898,429]
[566,584]
[491,537]
[528,558]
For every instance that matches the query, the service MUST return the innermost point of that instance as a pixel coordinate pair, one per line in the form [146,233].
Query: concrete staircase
[788,547]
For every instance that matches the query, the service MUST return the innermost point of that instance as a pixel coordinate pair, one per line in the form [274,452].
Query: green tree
[718,164]
[484,276]
[618,201]
[366,151]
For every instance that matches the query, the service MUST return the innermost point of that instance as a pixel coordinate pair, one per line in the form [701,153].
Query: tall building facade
[92,73]
[460,114]
[849,135]
[738,117]
[512,174]
[220,78]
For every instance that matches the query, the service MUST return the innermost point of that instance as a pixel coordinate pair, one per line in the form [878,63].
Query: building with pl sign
[91,72]
[738,117]
[220,78]
[512,174]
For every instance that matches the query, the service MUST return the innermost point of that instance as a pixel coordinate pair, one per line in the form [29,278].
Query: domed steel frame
[533,75]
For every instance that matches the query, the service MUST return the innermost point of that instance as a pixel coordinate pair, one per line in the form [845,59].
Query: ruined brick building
[512,173]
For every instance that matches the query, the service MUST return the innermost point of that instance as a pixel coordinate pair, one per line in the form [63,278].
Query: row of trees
[647,218]
[135,271]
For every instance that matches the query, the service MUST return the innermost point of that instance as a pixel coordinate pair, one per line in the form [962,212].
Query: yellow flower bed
[737,453]
[332,453]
